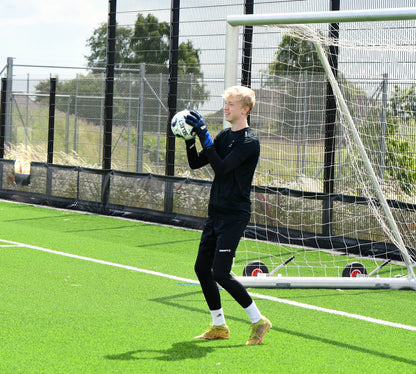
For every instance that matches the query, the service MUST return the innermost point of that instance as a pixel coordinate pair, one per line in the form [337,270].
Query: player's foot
[215,332]
[258,330]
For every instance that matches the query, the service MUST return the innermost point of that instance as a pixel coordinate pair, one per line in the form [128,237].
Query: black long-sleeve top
[234,158]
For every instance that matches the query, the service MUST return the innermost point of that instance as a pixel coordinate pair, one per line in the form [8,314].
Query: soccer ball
[180,128]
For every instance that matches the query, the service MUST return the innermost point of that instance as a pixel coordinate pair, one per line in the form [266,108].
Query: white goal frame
[230,79]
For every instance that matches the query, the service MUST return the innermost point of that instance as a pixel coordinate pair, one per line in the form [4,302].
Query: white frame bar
[328,282]
[231,55]
[363,15]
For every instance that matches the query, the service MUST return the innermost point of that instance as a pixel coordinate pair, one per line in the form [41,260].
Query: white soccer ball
[180,128]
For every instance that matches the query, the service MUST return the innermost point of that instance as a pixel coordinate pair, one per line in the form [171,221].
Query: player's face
[233,110]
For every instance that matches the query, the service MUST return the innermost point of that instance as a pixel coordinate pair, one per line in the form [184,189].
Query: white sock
[218,318]
[253,313]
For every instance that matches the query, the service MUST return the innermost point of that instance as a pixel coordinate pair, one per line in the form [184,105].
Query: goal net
[334,202]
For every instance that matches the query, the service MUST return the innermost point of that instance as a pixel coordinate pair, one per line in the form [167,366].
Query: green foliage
[189,69]
[403,102]
[295,54]
[150,40]
[98,46]
[147,42]
[400,159]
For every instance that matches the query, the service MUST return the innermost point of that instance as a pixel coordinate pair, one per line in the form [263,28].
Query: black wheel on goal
[353,269]
[255,267]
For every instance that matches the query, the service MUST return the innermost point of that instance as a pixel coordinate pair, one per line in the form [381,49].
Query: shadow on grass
[178,351]
[351,347]
[174,301]
[194,349]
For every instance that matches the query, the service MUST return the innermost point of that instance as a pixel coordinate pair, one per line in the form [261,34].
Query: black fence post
[2,124]
[51,125]
[330,130]
[172,101]
[247,47]
[3,115]
[108,101]
[51,135]
[109,84]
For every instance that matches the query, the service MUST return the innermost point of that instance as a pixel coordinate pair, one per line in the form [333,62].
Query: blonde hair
[245,95]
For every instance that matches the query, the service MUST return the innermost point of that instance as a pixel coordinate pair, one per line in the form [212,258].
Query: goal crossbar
[364,15]
[233,22]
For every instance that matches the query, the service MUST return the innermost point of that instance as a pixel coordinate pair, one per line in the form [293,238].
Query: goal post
[355,152]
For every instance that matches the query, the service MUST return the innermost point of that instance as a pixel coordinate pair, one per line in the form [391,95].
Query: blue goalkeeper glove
[200,128]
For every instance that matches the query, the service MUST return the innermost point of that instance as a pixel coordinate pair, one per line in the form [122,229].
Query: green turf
[67,315]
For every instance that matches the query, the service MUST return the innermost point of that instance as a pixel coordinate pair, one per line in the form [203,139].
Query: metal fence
[139,123]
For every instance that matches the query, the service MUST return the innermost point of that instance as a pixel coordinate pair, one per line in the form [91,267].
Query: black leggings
[219,242]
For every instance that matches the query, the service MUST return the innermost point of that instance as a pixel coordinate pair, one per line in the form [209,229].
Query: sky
[48,32]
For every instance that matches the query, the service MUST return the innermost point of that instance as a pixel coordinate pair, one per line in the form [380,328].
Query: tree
[150,40]
[146,42]
[295,54]
[295,68]
[98,47]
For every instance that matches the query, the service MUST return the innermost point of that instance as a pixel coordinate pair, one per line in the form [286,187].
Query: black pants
[219,242]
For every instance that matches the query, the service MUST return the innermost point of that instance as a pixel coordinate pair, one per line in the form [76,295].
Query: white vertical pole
[231,54]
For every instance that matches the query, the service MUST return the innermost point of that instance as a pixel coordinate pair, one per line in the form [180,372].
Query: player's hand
[200,128]
[195,120]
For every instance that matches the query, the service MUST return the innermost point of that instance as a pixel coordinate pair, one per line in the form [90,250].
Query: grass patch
[63,314]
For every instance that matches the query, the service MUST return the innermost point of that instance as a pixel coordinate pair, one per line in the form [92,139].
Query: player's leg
[203,270]
[203,266]
[229,234]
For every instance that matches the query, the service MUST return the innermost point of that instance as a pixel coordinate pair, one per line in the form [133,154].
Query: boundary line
[191,281]
[102,262]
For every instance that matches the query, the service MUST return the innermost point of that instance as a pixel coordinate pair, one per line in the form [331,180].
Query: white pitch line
[99,261]
[337,312]
[192,281]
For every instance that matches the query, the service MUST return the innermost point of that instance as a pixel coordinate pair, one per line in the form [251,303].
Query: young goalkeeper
[233,156]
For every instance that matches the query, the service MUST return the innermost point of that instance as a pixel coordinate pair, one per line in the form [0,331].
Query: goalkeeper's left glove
[200,128]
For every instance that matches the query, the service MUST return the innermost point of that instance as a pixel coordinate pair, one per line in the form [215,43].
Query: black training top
[234,159]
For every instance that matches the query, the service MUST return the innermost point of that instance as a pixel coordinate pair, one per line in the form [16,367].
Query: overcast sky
[50,32]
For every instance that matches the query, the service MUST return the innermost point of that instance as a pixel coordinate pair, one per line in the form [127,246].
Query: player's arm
[195,160]
[220,166]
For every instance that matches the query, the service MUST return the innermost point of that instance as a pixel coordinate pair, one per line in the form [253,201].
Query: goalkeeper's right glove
[197,122]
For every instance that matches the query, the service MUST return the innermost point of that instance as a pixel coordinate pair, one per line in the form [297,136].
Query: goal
[334,198]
